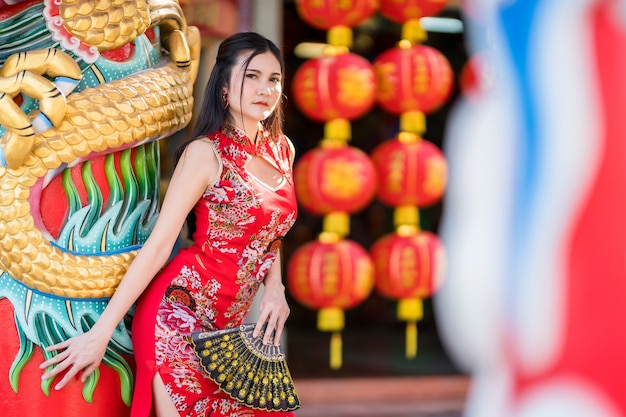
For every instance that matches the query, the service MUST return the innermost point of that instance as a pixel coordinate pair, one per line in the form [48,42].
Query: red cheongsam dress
[240,222]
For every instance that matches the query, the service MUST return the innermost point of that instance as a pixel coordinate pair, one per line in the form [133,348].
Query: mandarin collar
[239,137]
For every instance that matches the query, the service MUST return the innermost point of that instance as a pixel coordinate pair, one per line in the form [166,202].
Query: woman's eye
[251,75]
[275,80]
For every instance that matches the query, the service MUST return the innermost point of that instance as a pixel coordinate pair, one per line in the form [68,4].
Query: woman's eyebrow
[260,72]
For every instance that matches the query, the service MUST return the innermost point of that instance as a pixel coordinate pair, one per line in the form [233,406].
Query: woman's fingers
[58,346]
[88,371]
[280,324]
[54,360]
[60,367]
[67,377]
[275,321]
[259,324]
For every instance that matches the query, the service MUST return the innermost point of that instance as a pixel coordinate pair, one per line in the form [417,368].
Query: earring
[225,99]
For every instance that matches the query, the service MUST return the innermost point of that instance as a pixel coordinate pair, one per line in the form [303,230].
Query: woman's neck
[252,132]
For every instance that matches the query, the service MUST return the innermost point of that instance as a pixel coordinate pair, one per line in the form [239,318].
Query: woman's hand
[83,352]
[274,311]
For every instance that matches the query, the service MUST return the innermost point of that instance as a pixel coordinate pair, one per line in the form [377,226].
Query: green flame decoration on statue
[124,221]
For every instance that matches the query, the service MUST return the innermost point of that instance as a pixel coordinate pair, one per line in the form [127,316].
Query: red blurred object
[475,77]
[402,10]
[213,18]
[413,78]
[335,87]
[408,266]
[334,179]
[325,14]
[409,173]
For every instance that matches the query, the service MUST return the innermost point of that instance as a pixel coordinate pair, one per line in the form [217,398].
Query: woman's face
[257,97]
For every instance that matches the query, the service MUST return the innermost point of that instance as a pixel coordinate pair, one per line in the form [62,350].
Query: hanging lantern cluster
[406,172]
[333,180]
[413,80]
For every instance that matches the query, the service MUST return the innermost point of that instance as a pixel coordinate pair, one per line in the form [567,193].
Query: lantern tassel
[331,319]
[336,348]
[338,129]
[337,222]
[411,310]
[340,36]
[407,215]
[411,340]
[412,30]
[413,121]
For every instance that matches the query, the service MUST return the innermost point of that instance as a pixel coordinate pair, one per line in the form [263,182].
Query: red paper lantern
[410,173]
[335,87]
[325,14]
[413,78]
[402,10]
[330,276]
[334,179]
[335,275]
[408,266]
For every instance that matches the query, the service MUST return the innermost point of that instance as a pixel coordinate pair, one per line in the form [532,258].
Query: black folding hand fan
[247,370]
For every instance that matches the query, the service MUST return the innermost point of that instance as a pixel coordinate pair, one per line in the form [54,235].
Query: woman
[234,179]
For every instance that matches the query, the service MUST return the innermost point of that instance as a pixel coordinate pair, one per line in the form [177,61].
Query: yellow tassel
[338,129]
[337,222]
[340,36]
[411,340]
[330,319]
[413,31]
[413,121]
[410,309]
[406,216]
[336,348]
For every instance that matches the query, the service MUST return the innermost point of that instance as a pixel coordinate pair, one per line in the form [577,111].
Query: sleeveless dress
[239,226]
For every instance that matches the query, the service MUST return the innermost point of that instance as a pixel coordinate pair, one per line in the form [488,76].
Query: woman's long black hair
[213,115]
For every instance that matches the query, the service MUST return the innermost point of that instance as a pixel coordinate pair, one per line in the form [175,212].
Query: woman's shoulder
[203,158]
[201,152]
[287,146]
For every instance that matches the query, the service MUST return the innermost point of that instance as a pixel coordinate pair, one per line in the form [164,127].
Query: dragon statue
[87,88]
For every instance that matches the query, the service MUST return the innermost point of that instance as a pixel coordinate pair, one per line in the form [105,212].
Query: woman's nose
[264,89]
